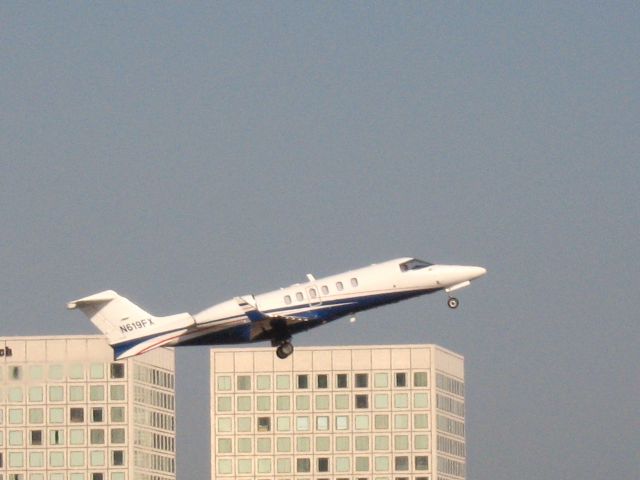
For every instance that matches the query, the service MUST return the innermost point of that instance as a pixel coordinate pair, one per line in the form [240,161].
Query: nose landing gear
[284,349]
[453,302]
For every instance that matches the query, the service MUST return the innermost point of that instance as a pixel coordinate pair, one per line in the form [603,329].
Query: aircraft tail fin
[129,329]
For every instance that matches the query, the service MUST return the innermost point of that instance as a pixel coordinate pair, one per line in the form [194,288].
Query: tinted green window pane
[36,394]
[244,465]
[117,392]
[342,444]
[283,402]
[302,402]
[243,382]
[421,442]
[382,464]
[362,464]
[36,415]
[76,372]
[224,445]
[96,371]
[36,372]
[56,372]
[283,382]
[15,394]
[36,459]
[56,415]
[283,444]
[303,444]
[401,442]
[76,393]
[401,421]
[96,458]
[263,382]
[224,404]
[343,464]
[224,382]
[224,466]
[264,465]
[76,459]
[263,445]
[420,379]
[224,424]
[96,393]
[263,403]
[381,400]
[323,402]
[76,436]
[56,394]
[342,402]
[401,400]
[381,380]
[56,459]
[244,445]
[323,444]
[382,442]
[244,424]
[243,404]
[362,443]
[420,420]
[420,400]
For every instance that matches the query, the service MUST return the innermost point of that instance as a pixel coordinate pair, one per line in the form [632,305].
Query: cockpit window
[414,264]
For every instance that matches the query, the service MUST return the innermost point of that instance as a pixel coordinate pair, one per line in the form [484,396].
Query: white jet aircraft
[275,315]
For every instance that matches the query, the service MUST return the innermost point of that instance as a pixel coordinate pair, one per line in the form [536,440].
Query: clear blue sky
[186,153]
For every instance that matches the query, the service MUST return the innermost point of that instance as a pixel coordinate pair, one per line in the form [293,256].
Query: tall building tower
[389,412]
[69,412]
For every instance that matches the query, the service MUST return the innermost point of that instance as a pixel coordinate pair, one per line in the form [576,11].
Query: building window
[36,437]
[401,463]
[323,381]
[263,382]
[323,464]
[401,379]
[244,382]
[420,379]
[97,436]
[341,380]
[117,435]
[117,370]
[303,381]
[117,457]
[362,380]
[422,462]
[362,401]
[322,423]
[264,424]
[303,465]
[381,421]
[76,415]
[117,414]
[342,422]
[97,476]
[97,414]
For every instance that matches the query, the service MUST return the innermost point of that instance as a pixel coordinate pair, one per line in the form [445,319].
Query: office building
[391,412]
[69,412]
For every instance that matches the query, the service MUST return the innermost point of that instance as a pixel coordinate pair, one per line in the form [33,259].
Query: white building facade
[378,412]
[69,412]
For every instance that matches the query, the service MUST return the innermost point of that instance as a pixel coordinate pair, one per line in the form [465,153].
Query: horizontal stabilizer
[130,329]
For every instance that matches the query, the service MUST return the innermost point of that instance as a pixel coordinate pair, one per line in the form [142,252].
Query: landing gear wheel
[284,350]
[453,302]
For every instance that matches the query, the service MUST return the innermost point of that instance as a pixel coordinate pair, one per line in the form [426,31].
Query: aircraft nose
[476,272]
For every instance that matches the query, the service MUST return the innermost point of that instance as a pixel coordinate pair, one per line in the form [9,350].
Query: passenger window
[354,282]
[325,290]
[287,299]
[339,286]
[312,293]
[299,296]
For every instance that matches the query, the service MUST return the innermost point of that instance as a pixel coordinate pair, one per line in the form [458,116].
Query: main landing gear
[284,349]
[453,302]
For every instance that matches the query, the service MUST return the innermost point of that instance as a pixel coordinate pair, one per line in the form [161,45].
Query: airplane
[275,315]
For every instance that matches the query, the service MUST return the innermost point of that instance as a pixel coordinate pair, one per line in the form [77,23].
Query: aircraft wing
[248,305]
